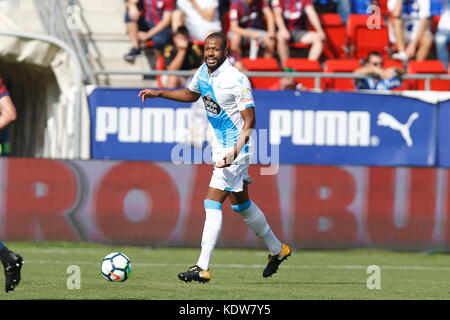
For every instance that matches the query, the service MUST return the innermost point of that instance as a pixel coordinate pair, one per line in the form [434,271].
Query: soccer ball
[116,267]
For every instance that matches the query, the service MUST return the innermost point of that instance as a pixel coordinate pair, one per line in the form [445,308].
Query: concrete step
[127,82]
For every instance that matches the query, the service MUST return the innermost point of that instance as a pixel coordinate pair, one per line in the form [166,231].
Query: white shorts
[230,178]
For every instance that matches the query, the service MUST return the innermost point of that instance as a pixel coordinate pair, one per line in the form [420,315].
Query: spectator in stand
[201,17]
[158,19]
[288,18]
[286,83]
[247,25]
[442,37]
[377,77]
[409,29]
[182,54]
[135,22]
[224,7]
[344,8]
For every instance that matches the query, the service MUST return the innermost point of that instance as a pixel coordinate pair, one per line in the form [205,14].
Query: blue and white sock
[256,220]
[211,232]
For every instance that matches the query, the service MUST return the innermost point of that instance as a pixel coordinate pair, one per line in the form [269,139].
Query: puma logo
[387,120]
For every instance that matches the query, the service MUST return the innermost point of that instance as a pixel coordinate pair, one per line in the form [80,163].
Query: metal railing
[318,76]
[56,18]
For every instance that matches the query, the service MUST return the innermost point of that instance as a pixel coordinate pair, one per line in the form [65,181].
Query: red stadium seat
[428,66]
[336,42]
[382,4]
[363,40]
[305,65]
[262,64]
[434,23]
[149,44]
[339,65]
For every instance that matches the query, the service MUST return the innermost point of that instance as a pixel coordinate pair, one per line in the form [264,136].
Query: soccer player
[12,262]
[227,97]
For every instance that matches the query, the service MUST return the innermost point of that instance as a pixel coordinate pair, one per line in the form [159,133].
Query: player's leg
[211,231]
[256,220]
[12,264]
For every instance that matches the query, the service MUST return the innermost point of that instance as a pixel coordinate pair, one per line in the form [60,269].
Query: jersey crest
[210,104]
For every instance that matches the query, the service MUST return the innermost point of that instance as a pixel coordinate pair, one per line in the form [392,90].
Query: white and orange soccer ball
[116,267]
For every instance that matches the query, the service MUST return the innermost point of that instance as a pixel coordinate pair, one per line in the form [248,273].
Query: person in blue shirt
[378,78]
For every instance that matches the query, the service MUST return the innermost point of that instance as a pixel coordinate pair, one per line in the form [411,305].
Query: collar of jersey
[222,67]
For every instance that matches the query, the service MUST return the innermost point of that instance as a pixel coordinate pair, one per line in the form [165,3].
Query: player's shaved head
[218,35]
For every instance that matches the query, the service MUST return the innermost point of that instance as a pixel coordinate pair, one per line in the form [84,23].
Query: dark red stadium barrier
[146,203]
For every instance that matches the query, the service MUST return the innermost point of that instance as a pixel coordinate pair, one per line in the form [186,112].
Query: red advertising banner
[160,203]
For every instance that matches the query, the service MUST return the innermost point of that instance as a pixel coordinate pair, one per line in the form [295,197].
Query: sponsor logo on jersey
[211,105]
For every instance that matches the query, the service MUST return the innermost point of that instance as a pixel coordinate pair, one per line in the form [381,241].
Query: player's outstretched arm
[181,95]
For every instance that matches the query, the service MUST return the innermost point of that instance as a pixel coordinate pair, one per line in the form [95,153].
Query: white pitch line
[255,266]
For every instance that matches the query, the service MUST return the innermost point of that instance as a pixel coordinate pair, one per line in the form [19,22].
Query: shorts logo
[211,105]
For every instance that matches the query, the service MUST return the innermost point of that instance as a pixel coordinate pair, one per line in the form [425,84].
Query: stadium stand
[363,40]
[339,65]
[305,65]
[335,46]
[395,63]
[261,64]
[429,66]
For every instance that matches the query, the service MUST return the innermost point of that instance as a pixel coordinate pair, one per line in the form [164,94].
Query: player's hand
[226,161]
[148,93]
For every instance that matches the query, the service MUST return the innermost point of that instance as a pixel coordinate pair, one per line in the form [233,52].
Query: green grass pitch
[237,274]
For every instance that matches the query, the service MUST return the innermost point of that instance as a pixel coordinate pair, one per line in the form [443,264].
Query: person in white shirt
[201,17]
[442,37]
[230,109]
[410,29]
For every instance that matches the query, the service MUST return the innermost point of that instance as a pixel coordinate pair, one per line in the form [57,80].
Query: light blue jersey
[225,93]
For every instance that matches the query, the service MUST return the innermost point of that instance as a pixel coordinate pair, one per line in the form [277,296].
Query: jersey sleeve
[3,91]
[243,93]
[193,84]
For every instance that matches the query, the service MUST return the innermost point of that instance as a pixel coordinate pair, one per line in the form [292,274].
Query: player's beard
[217,65]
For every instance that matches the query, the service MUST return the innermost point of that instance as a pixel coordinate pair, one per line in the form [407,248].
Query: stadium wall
[161,204]
[292,127]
